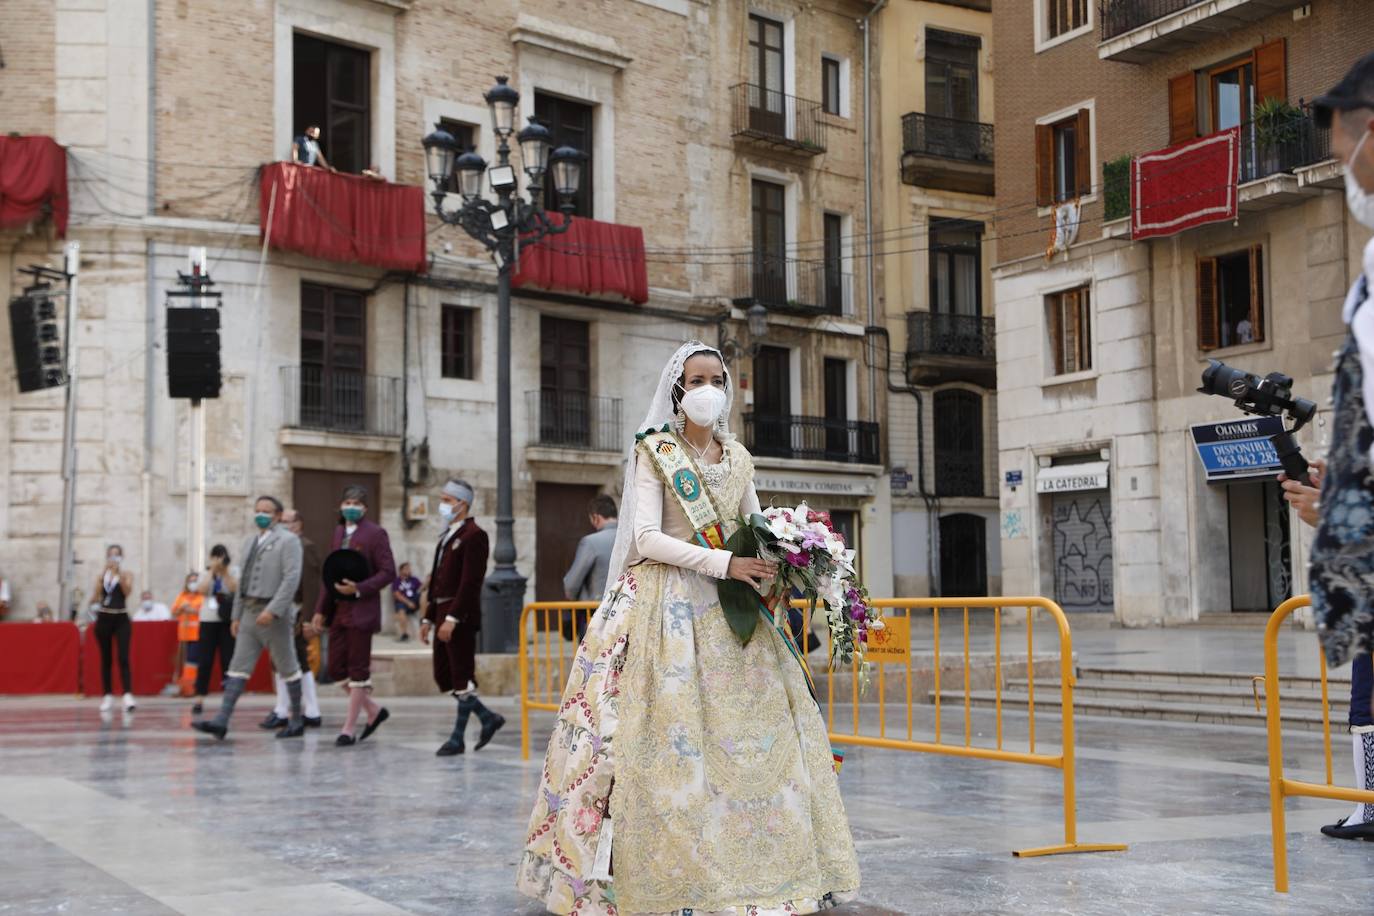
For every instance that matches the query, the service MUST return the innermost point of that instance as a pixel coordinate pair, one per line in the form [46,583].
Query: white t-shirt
[158,611]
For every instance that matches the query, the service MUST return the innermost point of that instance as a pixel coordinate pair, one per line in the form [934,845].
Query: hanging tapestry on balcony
[592,259]
[33,178]
[340,217]
[1184,186]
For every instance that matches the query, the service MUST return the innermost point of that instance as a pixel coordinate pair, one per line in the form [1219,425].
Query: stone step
[1210,713]
[1336,686]
[1200,694]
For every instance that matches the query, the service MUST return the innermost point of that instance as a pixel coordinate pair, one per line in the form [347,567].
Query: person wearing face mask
[263,616]
[150,610]
[352,610]
[112,626]
[688,771]
[453,609]
[1341,575]
[304,632]
[217,587]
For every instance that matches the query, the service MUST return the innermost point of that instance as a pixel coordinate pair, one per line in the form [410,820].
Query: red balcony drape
[33,175]
[1184,186]
[340,217]
[592,258]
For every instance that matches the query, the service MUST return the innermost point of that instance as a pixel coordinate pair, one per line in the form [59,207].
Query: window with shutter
[1044,165]
[1230,299]
[1068,318]
[1271,72]
[1083,160]
[1182,108]
[1207,304]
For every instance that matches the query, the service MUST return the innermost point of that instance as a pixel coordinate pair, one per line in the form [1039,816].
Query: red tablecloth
[40,658]
[152,653]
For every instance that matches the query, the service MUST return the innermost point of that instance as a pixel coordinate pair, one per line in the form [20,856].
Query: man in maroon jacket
[454,607]
[353,612]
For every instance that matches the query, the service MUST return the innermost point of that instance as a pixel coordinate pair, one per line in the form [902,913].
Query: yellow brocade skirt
[685,771]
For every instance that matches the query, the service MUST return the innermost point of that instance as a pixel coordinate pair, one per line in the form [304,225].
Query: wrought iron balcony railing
[1281,144]
[774,118]
[811,438]
[340,400]
[790,285]
[570,419]
[958,472]
[944,334]
[1121,16]
[946,138]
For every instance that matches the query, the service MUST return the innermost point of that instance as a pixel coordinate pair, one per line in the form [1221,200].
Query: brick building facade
[1101,341]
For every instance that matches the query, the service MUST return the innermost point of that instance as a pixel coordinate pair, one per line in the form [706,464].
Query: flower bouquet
[813,563]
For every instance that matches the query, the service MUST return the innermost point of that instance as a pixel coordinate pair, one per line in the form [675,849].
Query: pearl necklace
[700,453]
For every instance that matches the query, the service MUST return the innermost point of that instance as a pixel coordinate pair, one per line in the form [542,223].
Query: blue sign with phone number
[1238,448]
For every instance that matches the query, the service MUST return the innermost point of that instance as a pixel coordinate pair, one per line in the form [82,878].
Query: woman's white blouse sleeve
[653,544]
[749,505]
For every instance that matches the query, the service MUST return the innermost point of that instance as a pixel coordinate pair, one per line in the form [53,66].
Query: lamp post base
[503,598]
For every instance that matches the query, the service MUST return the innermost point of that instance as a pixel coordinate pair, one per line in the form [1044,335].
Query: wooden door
[773,402]
[333,358]
[767,113]
[560,521]
[770,243]
[963,556]
[565,382]
[834,264]
[571,125]
[836,410]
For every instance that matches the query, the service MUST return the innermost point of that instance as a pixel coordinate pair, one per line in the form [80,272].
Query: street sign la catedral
[1236,449]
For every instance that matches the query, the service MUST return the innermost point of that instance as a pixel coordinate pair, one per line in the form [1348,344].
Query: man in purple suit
[353,612]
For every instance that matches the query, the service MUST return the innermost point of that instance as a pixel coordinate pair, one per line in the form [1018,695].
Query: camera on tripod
[1267,396]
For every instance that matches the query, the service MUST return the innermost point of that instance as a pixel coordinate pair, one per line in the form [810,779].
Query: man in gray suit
[586,578]
[267,589]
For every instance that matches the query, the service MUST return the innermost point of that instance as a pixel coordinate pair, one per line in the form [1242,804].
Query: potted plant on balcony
[1278,128]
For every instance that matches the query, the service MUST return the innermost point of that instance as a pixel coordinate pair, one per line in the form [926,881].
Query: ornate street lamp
[504,227]
[756,318]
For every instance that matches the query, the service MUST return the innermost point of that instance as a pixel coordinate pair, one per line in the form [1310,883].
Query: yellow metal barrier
[1279,787]
[538,687]
[552,658]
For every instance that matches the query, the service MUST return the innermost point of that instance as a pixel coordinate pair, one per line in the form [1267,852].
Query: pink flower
[798,559]
[863,636]
[812,539]
[586,820]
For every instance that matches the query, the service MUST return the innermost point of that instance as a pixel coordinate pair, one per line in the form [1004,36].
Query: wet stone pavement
[137,814]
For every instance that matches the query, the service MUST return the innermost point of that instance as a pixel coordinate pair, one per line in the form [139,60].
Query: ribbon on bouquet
[681,475]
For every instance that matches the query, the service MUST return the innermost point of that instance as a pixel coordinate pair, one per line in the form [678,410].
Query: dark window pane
[332,89]
[830,85]
[458,345]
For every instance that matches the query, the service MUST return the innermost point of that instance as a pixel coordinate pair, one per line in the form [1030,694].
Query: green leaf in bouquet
[738,599]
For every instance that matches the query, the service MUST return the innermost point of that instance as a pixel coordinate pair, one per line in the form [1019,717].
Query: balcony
[1143,31]
[811,438]
[343,218]
[947,153]
[573,420]
[339,402]
[793,287]
[951,348]
[772,119]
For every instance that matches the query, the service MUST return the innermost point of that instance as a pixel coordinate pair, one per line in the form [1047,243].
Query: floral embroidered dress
[686,774]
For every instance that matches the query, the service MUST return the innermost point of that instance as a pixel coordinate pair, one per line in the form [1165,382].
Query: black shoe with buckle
[272,721]
[1340,831]
[345,741]
[292,731]
[313,722]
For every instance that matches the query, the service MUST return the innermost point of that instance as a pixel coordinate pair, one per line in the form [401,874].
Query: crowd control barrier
[1280,787]
[546,658]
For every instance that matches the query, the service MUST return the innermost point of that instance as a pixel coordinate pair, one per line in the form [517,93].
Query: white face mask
[148,605]
[447,511]
[1360,201]
[704,405]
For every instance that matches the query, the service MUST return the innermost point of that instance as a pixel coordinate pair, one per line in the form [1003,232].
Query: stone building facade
[935,250]
[701,130]
[1102,340]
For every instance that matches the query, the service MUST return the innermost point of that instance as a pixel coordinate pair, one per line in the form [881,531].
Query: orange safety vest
[187,612]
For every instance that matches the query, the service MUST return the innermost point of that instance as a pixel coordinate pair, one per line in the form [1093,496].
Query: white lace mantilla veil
[660,412]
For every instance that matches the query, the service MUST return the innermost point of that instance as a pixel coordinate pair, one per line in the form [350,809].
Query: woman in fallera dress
[686,772]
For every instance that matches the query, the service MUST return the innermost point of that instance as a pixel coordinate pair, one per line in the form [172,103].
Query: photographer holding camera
[1342,558]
